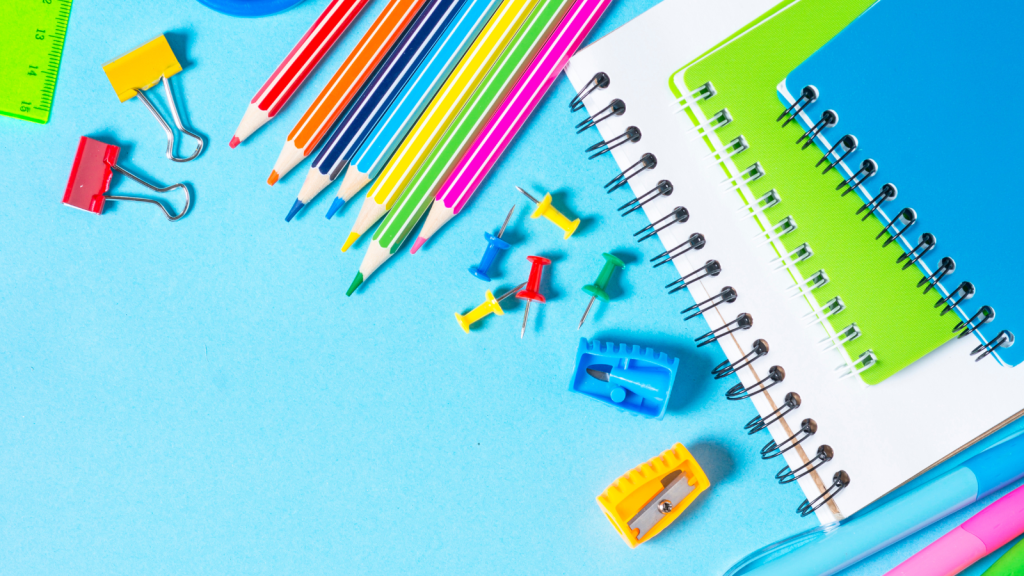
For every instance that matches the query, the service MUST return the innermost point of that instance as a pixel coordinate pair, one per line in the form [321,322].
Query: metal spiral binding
[632,134]
[678,214]
[924,245]
[887,193]
[664,188]
[743,321]
[1002,340]
[848,334]
[728,368]
[897,227]
[600,80]
[847,145]
[807,95]
[907,217]
[696,241]
[726,295]
[868,168]
[758,423]
[775,375]
[946,266]
[615,108]
[964,291]
[786,261]
[646,162]
[840,480]
[822,455]
[829,118]
[984,315]
[710,268]
[773,450]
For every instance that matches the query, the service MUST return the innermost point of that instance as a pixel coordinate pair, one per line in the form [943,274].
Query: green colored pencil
[409,207]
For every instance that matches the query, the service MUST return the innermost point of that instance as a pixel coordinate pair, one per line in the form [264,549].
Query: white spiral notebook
[875,438]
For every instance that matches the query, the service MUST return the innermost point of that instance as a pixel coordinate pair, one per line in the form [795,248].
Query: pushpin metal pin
[494,245]
[491,305]
[596,290]
[545,209]
[532,291]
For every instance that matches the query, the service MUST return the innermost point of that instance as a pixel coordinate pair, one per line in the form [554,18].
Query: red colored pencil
[303,58]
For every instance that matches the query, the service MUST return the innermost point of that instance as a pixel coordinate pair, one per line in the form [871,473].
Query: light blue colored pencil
[375,152]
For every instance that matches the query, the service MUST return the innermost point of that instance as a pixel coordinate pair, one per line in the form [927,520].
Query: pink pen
[984,533]
[511,115]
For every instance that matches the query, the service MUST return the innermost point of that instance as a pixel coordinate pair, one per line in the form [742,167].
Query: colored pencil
[346,82]
[438,115]
[394,71]
[511,115]
[416,198]
[374,154]
[292,72]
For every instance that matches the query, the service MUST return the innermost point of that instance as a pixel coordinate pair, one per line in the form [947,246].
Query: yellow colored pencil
[441,111]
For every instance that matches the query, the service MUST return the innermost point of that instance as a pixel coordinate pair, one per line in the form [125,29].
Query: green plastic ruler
[31,42]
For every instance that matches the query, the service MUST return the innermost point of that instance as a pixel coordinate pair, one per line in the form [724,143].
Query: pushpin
[141,69]
[545,209]
[494,245]
[89,184]
[596,290]
[532,292]
[490,305]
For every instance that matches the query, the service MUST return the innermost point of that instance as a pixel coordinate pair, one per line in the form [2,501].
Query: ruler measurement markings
[33,33]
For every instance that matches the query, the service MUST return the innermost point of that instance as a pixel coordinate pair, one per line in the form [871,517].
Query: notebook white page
[882,435]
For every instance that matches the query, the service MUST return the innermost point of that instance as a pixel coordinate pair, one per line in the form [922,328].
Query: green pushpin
[596,290]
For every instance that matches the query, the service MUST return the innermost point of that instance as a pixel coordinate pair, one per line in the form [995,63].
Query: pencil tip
[273,178]
[355,283]
[352,237]
[295,210]
[234,142]
[417,244]
[335,206]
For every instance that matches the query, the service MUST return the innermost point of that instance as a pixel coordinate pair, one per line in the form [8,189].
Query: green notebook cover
[897,323]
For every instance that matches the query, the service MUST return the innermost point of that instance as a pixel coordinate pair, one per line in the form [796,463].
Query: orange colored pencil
[354,72]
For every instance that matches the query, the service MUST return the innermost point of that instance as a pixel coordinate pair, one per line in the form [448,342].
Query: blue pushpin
[494,245]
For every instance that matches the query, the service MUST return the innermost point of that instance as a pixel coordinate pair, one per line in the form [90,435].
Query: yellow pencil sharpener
[645,500]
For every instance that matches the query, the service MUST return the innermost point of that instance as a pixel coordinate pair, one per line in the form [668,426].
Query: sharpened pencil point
[420,240]
[352,237]
[355,283]
[234,142]
[295,210]
[273,178]
[335,206]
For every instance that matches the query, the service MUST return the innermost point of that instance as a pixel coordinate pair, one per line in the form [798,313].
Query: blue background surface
[201,397]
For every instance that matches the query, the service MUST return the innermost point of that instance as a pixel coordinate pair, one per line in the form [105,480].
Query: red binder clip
[89,184]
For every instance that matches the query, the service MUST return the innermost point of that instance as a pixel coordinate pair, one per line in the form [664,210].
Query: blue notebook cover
[931,91]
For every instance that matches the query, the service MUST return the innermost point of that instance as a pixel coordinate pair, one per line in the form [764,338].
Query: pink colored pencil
[292,72]
[511,115]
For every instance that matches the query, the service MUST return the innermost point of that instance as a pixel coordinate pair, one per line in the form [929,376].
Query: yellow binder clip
[140,70]
[648,498]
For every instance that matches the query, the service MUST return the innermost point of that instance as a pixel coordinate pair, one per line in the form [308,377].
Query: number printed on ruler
[31,41]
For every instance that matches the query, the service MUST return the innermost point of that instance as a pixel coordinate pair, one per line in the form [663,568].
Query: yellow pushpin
[141,69]
[491,305]
[545,209]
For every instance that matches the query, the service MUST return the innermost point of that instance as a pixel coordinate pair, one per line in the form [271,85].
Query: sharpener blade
[676,489]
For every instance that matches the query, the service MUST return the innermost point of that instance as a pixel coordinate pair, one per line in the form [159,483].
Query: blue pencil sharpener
[630,378]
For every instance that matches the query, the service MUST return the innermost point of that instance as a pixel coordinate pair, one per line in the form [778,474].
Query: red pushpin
[89,183]
[532,291]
